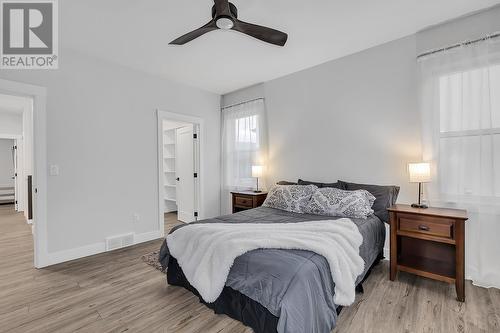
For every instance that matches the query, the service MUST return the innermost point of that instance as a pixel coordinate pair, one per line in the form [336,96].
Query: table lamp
[257,171]
[419,173]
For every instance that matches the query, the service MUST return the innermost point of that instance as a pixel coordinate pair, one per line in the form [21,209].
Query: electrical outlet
[136,218]
[54,170]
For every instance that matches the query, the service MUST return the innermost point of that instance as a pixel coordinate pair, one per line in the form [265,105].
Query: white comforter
[206,252]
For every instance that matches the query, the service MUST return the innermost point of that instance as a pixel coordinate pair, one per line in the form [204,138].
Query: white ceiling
[136,34]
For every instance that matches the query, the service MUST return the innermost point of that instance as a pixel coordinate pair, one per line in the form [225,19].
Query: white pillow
[292,198]
[335,202]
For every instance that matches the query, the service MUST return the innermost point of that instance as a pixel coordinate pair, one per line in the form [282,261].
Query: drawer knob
[423,227]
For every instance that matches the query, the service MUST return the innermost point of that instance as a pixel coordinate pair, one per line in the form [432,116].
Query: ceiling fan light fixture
[224,23]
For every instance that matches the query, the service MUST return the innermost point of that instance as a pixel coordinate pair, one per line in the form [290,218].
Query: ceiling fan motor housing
[232,9]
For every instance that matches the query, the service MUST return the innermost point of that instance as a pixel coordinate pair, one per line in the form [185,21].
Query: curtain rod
[465,43]
[252,100]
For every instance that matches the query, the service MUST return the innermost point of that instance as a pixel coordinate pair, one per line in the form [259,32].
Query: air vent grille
[119,241]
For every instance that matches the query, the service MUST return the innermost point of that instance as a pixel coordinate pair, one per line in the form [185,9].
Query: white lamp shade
[419,172]
[257,171]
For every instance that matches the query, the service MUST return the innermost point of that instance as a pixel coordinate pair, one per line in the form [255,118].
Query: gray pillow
[292,198]
[335,202]
[334,185]
[385,196]
[284,182]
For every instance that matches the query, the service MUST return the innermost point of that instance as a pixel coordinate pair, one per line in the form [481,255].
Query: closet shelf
[169,185]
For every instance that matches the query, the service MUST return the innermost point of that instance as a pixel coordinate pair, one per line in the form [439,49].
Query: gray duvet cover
[294,285]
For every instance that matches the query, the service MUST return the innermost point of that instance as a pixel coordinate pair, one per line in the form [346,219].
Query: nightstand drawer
[243,201]
[426,225]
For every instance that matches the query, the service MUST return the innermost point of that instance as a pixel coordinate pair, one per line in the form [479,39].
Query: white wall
[11,123]
[353,118]
[6,165]
[102,132]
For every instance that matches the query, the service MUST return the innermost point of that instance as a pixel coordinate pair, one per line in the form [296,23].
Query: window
[247,148]
[244,143]
[469,140]
[460,114]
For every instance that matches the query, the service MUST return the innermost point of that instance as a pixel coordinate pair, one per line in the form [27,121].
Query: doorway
[22,108]
[7,172]
[16,153]
[179,145]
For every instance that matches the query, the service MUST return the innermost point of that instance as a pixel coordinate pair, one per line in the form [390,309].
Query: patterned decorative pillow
[336,202]
[292,198]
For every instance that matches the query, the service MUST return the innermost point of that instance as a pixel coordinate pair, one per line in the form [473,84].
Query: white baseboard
[72,254]
[147,236]
[54,258]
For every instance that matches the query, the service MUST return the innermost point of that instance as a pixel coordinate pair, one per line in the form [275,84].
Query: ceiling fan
[225,17]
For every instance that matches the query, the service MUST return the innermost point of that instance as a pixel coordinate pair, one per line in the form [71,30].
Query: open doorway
[16,154]
[31,157]
[179,164]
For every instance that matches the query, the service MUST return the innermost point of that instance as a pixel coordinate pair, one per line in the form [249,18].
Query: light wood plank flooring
[117,292]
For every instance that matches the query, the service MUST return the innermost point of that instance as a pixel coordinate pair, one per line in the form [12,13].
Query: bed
[273,290]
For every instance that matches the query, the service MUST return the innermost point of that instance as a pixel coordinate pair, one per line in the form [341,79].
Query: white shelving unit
[169,147]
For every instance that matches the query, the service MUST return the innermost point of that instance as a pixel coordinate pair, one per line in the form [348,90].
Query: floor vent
[117,242]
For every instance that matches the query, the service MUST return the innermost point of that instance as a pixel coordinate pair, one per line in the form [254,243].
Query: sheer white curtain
[244,143]
[460,110]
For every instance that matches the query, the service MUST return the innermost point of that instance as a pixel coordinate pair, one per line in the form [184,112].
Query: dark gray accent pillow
[284,182]
[320,185]
[385,196]
[334,185]
[306,182]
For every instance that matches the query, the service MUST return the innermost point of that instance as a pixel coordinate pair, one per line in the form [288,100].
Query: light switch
[54,170]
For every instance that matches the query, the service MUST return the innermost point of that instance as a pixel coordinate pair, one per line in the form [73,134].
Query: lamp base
[419,206]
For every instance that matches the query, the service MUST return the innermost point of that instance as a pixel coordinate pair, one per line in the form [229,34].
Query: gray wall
[356,118]
[351,119]
[11,123]
[6,165]
[102,132]
[465,28]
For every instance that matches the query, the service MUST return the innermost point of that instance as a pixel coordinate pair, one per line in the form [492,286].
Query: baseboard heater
[7,195]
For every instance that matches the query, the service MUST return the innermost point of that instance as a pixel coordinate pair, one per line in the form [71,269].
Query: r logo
[27,27]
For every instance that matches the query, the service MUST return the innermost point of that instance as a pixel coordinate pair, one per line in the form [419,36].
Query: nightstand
[430,243]
[247,200]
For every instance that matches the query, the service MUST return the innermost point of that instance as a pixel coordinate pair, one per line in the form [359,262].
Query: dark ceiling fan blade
[263,33]
[222,8]
[210,26]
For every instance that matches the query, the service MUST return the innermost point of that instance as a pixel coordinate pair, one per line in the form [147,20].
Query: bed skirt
[230,302]
[239,306]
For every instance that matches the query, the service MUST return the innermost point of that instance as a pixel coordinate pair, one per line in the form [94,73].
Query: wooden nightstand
[247,200]
[430,243]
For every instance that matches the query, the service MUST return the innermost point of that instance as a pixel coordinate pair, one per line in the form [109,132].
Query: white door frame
[199,192]
[39,96]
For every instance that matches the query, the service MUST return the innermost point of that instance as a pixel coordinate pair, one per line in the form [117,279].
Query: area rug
[152,260]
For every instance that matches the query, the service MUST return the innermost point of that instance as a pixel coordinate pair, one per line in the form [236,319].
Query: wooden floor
[118,292]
